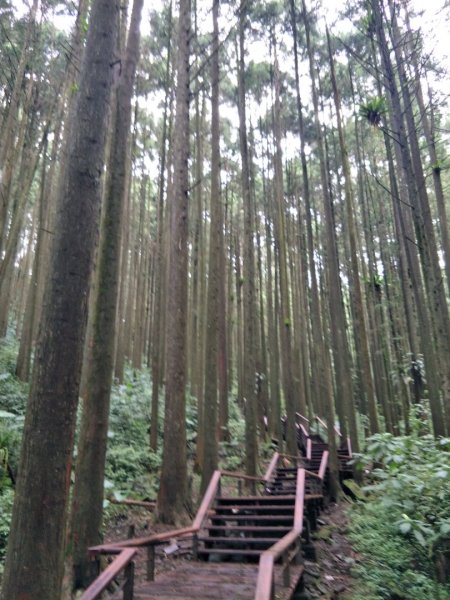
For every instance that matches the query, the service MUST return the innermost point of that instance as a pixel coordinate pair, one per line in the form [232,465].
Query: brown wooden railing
[123,562]
[288,547]
[126,549]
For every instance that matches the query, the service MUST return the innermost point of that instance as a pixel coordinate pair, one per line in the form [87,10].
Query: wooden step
[264,529]
[264,518]
[277,508]
[231,541]
[229,552]
[246,499]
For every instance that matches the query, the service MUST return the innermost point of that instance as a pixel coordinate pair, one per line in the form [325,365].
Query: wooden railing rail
[265,585]
[208,498]
[151,541]
[323,464]
[293,457]
[336,430]
[268,475]
[123,562]
[308,448]
[299,416]
[349,447]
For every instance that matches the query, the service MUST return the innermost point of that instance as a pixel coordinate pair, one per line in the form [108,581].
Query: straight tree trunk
[215,284]
[35,556]
[248,283]
[87,499]
[173,492]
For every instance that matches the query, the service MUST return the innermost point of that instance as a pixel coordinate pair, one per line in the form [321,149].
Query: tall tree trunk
[215,284]
[281,245]
[360,324]
[39,514]
[248,283]
[87,499]
[172,495]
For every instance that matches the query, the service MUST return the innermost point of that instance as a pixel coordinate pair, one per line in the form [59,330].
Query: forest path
[231,533]
[210,581]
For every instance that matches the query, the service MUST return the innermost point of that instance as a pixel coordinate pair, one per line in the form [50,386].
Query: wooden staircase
[244,547]
[245,526]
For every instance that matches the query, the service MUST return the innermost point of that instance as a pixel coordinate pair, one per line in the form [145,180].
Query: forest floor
[327,578]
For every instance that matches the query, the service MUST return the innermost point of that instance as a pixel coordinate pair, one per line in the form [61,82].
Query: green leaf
[445,528]
[355,489]
[4,414]
[405,527]
[441,474]
[419,537]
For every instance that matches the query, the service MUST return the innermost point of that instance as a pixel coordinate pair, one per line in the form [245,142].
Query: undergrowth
[400,524]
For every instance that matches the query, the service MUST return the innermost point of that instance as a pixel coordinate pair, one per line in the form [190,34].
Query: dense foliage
[132,468]
[402,525]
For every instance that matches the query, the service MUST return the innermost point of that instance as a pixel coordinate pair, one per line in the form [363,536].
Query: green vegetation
[402,527]
[132,468]
[373,110]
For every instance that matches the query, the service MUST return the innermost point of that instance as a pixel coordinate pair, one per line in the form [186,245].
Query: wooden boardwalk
[212,581]
[243,547]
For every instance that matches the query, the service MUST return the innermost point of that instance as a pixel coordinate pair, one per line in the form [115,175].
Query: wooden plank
[203,581]
[102,582]
[300,501]
[149,540]
[207,501]
[323,464]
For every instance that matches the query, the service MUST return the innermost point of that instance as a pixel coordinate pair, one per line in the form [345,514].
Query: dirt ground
[329,577]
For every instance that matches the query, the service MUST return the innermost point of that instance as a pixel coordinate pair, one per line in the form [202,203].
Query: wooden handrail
[304,431]
[208,498]
[110,573]
[312,474]
[271,468]
[349,447]
[308,448]
[265,581]
[243,476]
[128,502]
[297,414]
[290,456]
[326,426]
[323,464]
[150,540]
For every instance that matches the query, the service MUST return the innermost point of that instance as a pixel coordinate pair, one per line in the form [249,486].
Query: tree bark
[34,563]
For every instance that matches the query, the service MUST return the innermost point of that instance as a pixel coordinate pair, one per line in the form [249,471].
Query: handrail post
[195,546]
[150,563]
[128,588]
[298,551]
[286,569]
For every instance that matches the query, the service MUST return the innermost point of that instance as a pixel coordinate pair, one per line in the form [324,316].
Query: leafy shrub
[6,504]
[13,392]
[403,530]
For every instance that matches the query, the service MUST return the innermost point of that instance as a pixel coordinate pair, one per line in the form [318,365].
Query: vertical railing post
[150,563]
[286,570]
[128,588]
[195,546]
[298,551]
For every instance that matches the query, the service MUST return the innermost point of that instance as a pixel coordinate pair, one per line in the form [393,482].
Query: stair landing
[208,581]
